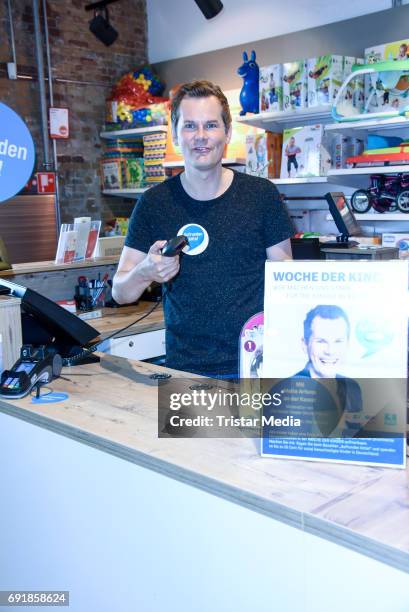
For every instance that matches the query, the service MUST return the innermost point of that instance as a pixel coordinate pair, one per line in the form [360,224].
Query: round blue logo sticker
[197,236]
[17,153]
[50,398]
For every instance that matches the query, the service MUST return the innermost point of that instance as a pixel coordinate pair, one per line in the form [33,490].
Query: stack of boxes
[307,83]
[302,84]
[154,149]
[122,164]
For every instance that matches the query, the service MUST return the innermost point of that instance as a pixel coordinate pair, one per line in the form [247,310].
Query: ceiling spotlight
[102,29]
[100,25]
[209,8]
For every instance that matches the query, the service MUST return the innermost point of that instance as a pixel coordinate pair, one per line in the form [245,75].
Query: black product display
[36,366]
[306,248]
[344,219]
[46,323]
[174,246]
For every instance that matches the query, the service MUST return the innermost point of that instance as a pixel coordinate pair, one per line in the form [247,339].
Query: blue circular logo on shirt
[16,153]
[197,236]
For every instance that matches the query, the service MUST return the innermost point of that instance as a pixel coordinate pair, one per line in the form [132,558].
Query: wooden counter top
[50,266]
[117,318]
[113,407]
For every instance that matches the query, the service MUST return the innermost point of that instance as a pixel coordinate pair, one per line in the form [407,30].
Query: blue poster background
[384,451]
[17,153]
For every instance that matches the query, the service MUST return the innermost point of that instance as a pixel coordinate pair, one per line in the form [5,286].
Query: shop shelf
[299,181]
[226,161]
[277,122]
[355,177]
[375,216]
[134,132]
[390,127]
[124,193]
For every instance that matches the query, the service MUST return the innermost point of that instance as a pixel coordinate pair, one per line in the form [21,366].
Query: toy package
[386,92]
[325,76]
[343,147]
[263,154]
[270,88]
[134,171]
[112,173]
[136,101]
[294,85]
[354,94]
[398,50]
[154,156]
[304,152]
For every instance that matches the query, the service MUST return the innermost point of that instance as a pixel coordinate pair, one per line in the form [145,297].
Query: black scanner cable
[172,247]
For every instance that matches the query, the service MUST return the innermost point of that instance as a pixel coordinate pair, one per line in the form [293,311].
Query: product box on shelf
[355,91]
[112,173]
[391,95]
[294,85]
[325,76]
[270,88]
[305,152]
[398,240]
[397,50]
[342,147]
[154,156]
[263,154]
[134,171]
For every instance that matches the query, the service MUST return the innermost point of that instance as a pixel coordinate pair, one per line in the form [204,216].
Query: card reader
[35,366]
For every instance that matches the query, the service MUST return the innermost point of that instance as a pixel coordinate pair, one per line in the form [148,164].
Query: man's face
[292,141]
[326,346]
[200,132]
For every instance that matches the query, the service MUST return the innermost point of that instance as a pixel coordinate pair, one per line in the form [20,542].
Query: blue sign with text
[17,153]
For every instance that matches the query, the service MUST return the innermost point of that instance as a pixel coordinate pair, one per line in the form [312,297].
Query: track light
[102,29]
[209,8]
[100,25]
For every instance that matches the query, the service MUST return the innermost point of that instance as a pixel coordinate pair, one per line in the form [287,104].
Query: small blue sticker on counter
[50,398]
[16,153]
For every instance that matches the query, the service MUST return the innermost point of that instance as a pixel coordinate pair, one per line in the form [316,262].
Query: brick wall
[84,70]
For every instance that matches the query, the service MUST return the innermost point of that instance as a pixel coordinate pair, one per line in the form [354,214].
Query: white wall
[177,28]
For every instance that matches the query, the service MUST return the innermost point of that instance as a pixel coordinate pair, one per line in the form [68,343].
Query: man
[233,222]
[325,341]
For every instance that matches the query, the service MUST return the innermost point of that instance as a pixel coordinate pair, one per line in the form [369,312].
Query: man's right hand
[157,268]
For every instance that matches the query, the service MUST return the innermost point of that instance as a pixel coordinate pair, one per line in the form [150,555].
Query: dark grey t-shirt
[221,283]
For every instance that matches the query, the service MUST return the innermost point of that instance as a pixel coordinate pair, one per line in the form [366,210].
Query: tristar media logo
[197,236]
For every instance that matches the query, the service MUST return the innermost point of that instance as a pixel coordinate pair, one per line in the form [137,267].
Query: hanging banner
[335,344]
[17,153]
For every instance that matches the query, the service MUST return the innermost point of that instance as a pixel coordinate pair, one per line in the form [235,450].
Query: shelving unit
[279,121]
[132,133]
[310,180]
[125,193]
[388,127]
[353,177]
[394,216]
[226,161]
[124,135]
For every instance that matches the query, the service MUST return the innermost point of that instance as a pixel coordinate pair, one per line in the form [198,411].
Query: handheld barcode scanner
[174,246]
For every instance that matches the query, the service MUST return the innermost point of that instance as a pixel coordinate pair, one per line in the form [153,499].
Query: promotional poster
[339,326]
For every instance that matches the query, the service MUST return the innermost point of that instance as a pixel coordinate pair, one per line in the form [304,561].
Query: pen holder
[83,298]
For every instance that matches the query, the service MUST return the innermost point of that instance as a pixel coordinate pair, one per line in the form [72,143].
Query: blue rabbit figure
[249,71]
